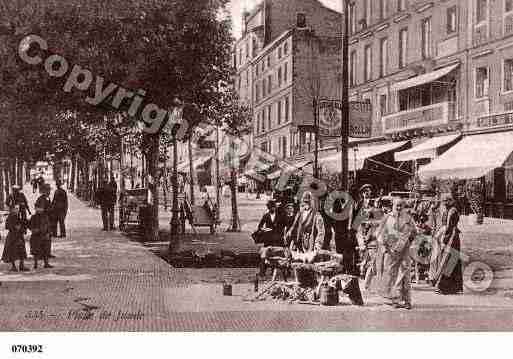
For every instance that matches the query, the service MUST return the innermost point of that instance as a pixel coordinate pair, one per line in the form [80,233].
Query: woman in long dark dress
[449,278]
[40,241]
[14,248]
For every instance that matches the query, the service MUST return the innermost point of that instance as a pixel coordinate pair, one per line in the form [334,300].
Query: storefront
[427,150]
[485,158]
[372,164]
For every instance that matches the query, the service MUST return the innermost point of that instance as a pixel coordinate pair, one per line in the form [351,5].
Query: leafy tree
[235,119]
[167,48]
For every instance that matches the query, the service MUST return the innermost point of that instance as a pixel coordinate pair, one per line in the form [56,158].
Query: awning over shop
[287,167]
[424,78]
[357,158]
[184,167]
[473,157]
[254,175]
[290,167]
[427,149]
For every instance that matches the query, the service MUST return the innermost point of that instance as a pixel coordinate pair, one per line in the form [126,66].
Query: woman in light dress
[395,237]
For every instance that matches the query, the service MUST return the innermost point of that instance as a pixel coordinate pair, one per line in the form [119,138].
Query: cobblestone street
[105,281]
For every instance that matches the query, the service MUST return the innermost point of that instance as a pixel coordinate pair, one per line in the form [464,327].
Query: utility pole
[345,97]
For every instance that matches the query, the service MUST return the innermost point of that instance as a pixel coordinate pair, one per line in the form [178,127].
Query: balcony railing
[421,117]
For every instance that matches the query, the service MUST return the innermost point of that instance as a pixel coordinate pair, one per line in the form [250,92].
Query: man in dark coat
[106,198]
[59,210]
[40,182]
[346,242]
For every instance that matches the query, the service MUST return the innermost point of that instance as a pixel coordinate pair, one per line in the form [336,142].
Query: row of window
[239,59]
[296,143]
[426,49]
[266,85]
[267,146]
[265,118]
[482,79]
[260,67]
[369,7]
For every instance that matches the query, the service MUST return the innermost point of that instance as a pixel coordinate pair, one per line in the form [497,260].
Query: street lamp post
[345,97]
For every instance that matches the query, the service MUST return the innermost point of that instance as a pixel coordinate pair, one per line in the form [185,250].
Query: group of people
[43,224]
[37,182]
[379,241]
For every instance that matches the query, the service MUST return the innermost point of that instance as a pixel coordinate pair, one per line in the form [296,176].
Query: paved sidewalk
[102,281]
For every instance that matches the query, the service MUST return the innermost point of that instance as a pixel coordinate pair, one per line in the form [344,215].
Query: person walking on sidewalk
[449,277]
[395,237]
[40,182]
[33,182]
[17,198]
[40,240]
[14,248]
[106,197]
[59,210]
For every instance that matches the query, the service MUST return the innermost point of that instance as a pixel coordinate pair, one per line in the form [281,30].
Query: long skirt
[451,274]
[436,254]
[14,248]
[395,277]
[40,246]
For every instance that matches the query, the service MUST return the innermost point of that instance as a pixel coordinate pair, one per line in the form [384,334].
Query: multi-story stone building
[287,56]
[441,69]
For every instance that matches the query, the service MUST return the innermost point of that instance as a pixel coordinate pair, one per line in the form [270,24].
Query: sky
[237,6]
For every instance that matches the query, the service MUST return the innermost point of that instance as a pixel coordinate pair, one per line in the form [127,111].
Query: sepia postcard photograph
[221,166]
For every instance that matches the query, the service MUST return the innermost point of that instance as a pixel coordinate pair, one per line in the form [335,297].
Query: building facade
[288,55]
[434,68]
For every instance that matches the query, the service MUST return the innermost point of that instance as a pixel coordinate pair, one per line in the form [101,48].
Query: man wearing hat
[18,198]
[59,210]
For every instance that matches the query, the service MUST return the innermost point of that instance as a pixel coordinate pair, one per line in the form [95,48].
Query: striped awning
[424,78]
[473,157]
[427,149]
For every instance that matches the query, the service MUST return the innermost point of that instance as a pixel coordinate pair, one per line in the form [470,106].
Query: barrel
[328,295]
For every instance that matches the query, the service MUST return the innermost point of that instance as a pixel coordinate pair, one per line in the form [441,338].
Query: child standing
[40,241]
[15,243]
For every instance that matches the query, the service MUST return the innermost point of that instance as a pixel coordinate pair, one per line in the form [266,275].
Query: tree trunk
[73,170]
[2,188]
[7,185]
[19,172]
[174,217]
[122,168]
[235,211]
[218,185]
[12,173]
[191,170]
[27,172]
[153,187]
[87,186]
